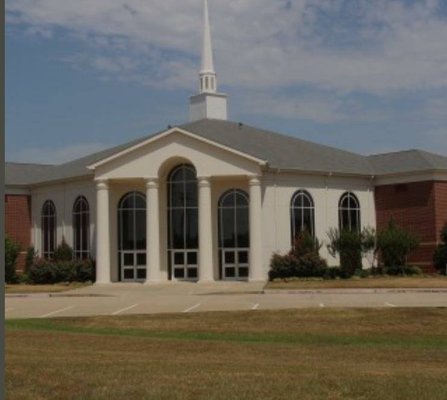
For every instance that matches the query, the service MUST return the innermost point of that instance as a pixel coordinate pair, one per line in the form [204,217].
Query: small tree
[12,250]
[394,244]
[348,245]
[63,252]
[440,256]
[31,255]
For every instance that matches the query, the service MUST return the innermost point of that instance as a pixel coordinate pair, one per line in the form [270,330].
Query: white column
[205,232]
[152,231]
[256,264]
[102,233]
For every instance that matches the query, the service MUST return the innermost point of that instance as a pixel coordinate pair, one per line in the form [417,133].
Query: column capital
[102,184]
[151,183]
[204,181]
[254,180]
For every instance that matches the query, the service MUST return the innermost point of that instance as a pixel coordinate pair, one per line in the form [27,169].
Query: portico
[179,230]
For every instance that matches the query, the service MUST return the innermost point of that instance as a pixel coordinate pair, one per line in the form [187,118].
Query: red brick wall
[18,223]
[440,205]
[413,206]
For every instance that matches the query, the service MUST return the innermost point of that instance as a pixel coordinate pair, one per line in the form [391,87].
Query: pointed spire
[207,52]
[208,104]
[207,75]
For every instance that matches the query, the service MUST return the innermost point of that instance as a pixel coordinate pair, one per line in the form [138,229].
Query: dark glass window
[81,228]
[302,212]
[132,222]
[183,210]
[234,220]
[349,213]
[48,220]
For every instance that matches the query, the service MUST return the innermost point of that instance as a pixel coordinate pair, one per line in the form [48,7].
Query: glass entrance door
[132,237]
[183,221]
[234,241]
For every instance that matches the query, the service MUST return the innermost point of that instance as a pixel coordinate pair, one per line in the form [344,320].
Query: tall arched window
[48,220]
[302,211]
[183,221]
[349,213]
[81,229]
[234,237]
[132,236]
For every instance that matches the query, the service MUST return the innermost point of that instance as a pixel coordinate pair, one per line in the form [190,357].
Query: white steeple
[207,74]
[208,103]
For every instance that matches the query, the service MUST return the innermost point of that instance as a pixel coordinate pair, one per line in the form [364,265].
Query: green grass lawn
[376,282]
[298,354]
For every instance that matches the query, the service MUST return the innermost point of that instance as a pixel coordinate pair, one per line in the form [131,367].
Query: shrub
[49,271]
[12,250]
[31,255]
[349,245]
[394,244]
[402,270]
[303,260]
[42,272]
[63,252]
[332,273]
[440,256]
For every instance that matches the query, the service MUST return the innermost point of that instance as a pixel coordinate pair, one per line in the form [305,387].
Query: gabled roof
[280,152]
[19,174]
[402,162]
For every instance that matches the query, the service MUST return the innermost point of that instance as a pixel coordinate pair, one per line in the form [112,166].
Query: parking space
[125,299]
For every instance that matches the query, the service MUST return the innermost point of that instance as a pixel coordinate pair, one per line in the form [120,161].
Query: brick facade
[18,223]
[419,207]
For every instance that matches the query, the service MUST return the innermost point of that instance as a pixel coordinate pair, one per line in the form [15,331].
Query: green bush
[394,244]
[349,246]
[332,273]
[42,272]
[49,272]
[63,252]
[12,250]
[31,255]
[402,270]
[302,261]
[440,256]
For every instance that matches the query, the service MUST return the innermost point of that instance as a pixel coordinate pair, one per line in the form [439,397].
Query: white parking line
[390,305]
[56,312]
[255,307]
[124,309]
[322,305]
[191,308]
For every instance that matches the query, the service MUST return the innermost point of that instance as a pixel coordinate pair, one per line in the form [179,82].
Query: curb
[354,291]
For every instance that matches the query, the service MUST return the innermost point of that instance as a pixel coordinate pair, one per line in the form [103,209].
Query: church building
[212,199]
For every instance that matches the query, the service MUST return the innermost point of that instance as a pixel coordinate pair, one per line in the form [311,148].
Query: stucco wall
[63,195]
[326,191]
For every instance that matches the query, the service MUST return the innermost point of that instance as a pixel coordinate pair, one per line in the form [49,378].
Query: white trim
[16,191]
[167,133]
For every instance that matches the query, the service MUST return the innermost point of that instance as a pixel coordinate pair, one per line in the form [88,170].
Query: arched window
[183,222]
[234,237]
[132,236]
[302,211]
[349,212]
[48,220]
[81,229]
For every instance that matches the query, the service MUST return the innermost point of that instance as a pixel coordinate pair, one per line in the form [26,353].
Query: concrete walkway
[122,299]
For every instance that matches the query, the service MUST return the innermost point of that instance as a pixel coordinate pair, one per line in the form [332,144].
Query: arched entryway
[132,237]
[234,237]
[183,223]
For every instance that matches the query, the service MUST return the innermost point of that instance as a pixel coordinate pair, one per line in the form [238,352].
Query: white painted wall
[63,195]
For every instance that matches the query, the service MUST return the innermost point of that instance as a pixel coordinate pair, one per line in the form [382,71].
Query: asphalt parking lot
[122,299]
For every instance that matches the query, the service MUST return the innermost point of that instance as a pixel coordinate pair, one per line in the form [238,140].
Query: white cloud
[51,155]
[371,46]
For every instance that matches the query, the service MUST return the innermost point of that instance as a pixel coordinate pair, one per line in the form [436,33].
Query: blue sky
[367,76]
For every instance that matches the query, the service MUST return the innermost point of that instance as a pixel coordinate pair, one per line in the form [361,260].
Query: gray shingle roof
[280,151]
[407,161]
[18,174]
